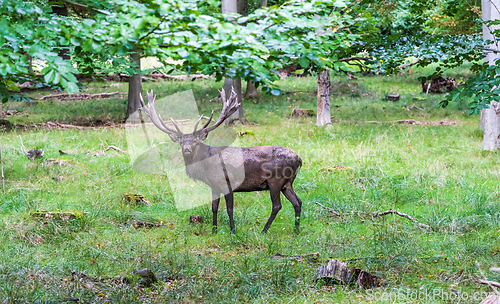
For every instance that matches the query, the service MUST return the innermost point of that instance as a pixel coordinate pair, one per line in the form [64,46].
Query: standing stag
[272,168]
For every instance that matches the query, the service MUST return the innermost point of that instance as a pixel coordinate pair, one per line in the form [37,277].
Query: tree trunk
[251,91]
[490,118]
[242,7]
[236,84]
[323,112]
[62,11]
[231,7]
[134,87]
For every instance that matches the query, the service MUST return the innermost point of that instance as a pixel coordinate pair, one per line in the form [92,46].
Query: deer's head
[190,142]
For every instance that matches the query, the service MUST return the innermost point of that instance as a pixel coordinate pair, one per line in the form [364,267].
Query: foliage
[251,49]
[24,29]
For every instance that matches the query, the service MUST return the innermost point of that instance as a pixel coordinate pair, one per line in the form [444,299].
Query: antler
[150,111]
[229,106]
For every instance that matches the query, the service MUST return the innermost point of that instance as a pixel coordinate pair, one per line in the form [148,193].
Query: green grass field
[435,173]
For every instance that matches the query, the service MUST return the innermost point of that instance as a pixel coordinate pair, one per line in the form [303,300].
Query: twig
[23,148]
[154,29]
[485,281]
[1,165]
[409,64]
[392,211]
[335,213]
[351,59]
[116,149]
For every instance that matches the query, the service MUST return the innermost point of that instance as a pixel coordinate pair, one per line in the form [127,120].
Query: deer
[272,168]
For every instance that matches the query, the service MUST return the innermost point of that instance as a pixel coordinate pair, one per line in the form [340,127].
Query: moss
[63,215]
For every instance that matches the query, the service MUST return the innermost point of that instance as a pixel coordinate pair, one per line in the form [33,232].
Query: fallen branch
[444,122]
[392,211]
[116,149]
[335,213]
[51,124]
[489,283]
[78,96]
[378,214]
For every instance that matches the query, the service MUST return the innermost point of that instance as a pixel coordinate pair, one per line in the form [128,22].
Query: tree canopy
[101,35]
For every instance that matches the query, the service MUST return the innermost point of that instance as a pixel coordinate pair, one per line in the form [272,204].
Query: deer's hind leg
[276,200]
[288,192]
[215,208]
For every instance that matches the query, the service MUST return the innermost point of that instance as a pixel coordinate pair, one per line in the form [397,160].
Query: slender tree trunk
[134,86]
[251,91]
[62,11]
[231,7]
[236,84]
[490,118]
[323,112]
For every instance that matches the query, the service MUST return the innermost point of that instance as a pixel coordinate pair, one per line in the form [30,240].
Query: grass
[437,174]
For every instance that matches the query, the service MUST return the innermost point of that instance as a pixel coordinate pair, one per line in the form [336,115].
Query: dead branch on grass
[392,211]
[57,125]
[78,96]
[379,214]
[116,149]
[334,213]
[489,283]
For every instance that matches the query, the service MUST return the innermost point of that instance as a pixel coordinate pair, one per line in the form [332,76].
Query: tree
[234,7]
[251,90]
[490,117]
[323,99]
[119,32]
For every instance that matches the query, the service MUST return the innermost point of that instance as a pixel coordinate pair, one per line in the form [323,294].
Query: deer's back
[262,165]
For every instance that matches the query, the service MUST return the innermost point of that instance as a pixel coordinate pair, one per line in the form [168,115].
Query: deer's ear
[202,135]
[174,137]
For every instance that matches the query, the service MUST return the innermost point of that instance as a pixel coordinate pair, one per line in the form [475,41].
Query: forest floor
[434,171]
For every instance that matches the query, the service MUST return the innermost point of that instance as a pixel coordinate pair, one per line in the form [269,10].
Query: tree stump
[439,85]
[148,277]
[336,272]
[393,97]
[301,112]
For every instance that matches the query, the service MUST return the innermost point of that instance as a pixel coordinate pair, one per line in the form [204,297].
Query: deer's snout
[186,150]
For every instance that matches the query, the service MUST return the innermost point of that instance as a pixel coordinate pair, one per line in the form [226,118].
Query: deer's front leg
[215,208]
[229,204]
[276,200]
